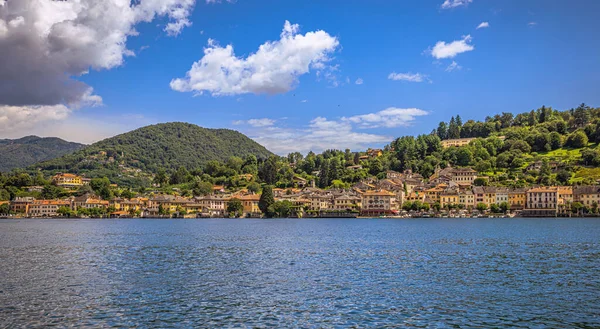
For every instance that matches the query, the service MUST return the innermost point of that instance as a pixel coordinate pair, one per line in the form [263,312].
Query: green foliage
[577,139]
[480,181]
[101,187]
[253,187]
[202,188]
[266,201]
[5,209]
[268,170]
[235,207]
[23,152]
[168,145]
[481,207]
[282,208]
[65,211]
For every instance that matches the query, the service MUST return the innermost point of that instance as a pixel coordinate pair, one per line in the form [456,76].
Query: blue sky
[531,53]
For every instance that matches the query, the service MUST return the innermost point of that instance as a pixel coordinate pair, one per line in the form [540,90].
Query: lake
[316,273]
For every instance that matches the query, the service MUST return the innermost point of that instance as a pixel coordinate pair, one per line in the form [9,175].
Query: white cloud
[304,101]
[450,50]
[532,24]
[45,43]
[417,77]
[18,118]
[359,81]
[483,25]
[273,69]
[453,66]
[389,118]
[455,3]
[322,133]
[264,122]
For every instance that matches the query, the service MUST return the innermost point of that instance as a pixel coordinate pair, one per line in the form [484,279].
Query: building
[347,202]
[250,204]
[47,208]
[377,203]
[501,195]
[67,180]
[374,153]
[168,202]
[20,205]
[456,142]
[485,195]
[517,198]
[541,202]
[587,195]
[467,198]
[449,197]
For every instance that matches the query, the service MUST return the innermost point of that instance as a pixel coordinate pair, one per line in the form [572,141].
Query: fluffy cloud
[455,3]
[417,77]
[45,43]
[16,118]
[359,81]
[322,133]
[532,24]
[483,25]
[264,122]
[453,66]
[273,69]
[450,50]
[389,118]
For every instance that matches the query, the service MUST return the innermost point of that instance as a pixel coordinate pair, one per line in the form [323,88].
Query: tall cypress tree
[266,200]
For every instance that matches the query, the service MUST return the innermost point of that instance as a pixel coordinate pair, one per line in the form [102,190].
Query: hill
[146,150]
[23,152]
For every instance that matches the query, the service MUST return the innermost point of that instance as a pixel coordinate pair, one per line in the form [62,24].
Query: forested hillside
[23,152]
[140,153]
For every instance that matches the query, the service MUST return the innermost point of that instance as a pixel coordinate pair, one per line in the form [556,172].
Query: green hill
[141,152]
[23,152]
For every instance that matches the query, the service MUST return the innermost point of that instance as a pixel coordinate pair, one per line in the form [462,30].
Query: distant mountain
[145,150]
[23,152]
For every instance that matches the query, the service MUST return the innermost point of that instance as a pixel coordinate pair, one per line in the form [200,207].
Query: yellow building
[449,198]
[542,201]
[434,193]
[250,203]
[456,142]
[517,198]
[67,180]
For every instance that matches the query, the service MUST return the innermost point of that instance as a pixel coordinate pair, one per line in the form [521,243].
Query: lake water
[325,273]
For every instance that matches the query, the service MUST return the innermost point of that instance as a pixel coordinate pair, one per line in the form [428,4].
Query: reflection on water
[300,273]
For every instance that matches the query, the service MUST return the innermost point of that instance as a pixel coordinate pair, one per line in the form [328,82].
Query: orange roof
[51,202]
[379,193]
[66,175]
[250,197]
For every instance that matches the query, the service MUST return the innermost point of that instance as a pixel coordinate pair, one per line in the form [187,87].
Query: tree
[577,139]
[504,207]
[268,171]
[442,131]
[494,208]
[266,200]
[161,178]
[480,181]
[555,140]
[65,211]
[481,207]
[581,115]
[253,187]
[180,176]
[5,209]
[4,195]
[563,177]
[235,207]
[51,192]
[163,211]
[102,187]
[464,156]
[282,208]
[202,188]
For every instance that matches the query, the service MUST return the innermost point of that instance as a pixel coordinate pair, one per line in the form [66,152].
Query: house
[212,205]
[415,196]
[464,176]
[374,153]
[466,198]
[449,197]
[485,195]
[250,204]
[168,202]
[501,195]
[565,199]
[34,188]
[537,165]
[47,208]
[517,198]
[434,193]
[377,203]
[246,177]
[390,174]
[320,201]
[299,181]
[363,157]
[20,205]
[587,195]
[69,181]
[346,201]
[456,142]
[541,202]
[354,168]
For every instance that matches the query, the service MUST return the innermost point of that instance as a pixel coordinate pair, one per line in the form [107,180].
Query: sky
[292,75]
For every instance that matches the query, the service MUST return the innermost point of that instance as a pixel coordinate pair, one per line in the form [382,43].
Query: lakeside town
[449,192]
